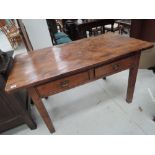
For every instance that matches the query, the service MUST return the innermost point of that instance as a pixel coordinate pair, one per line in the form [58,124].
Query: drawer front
[63,84]
[114,67]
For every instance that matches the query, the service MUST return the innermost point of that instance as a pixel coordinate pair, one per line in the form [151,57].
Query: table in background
[78,30]
[87,25]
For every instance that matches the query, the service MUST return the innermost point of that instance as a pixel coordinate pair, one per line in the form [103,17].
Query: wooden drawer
[114,67]
[63,84]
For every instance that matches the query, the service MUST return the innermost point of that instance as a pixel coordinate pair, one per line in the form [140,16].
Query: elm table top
[42,65]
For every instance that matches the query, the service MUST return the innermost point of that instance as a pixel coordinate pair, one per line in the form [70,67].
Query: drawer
[114,67]
[63,84]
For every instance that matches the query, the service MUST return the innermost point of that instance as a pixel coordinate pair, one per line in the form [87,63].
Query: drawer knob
[64,84]
[115,66]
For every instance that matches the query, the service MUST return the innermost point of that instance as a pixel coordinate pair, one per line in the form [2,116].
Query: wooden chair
[12,33]
[2,22]
[112,27]
[57,37]
[124,26]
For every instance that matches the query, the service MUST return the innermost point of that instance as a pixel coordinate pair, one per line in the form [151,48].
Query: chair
[2,22]
[92,26]
[12,33]
[57,37]
[112,27]
[70,29]
[124,26]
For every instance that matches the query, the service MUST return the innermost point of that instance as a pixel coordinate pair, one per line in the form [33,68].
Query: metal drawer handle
[64,84]
[115,66]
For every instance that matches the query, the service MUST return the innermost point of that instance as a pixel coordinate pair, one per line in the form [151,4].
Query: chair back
[52,26]
[12,33]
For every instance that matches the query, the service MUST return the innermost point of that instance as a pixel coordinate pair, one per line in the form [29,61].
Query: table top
[91,21]
[36,67]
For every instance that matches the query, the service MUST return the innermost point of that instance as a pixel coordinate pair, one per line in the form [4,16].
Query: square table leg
[132,79]
[41,108]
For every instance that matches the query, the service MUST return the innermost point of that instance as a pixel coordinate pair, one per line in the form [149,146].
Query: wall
[38,33]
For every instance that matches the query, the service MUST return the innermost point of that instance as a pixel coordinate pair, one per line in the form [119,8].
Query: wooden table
[77,30]
[55,69]
[94,23]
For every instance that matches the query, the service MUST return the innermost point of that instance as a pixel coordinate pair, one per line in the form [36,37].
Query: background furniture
[94,27]
[24,35]
[57,37]
[69,27]
[112,27]
[12,33]
[2,22]
[14,109]
[144,29]
[75,64]
[124,26]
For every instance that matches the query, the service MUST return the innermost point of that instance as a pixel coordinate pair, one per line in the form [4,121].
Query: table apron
[71,81]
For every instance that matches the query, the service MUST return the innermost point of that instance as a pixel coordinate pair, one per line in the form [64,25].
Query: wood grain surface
[51,63]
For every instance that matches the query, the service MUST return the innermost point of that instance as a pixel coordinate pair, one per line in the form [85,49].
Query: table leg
[132,79]
[104,78]
[41,108]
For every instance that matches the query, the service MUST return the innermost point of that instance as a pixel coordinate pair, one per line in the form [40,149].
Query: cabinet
[144,29]
[14,109]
